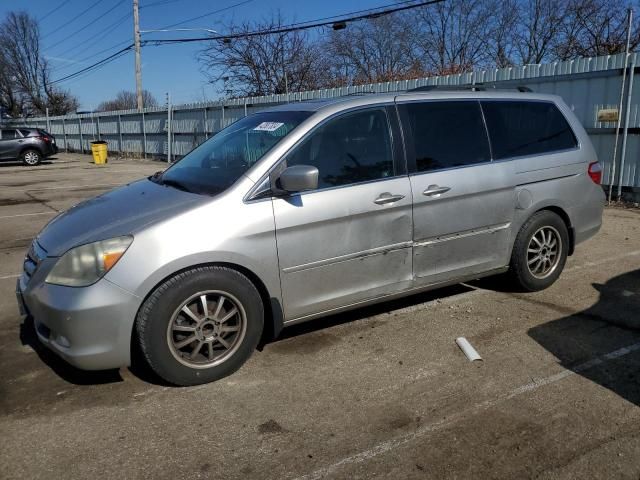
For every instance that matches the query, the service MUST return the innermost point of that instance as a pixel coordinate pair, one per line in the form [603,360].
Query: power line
[54,10]
[94,66]
[208,14]
[157,4]
[93,55]
[95,39]
[88,25]
[68,22]
[293,27]
[288,28]
[373,9]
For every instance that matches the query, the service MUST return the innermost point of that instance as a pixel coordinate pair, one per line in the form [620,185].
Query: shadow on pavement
[17,163]
[610,325]
[141,370]
[365,312]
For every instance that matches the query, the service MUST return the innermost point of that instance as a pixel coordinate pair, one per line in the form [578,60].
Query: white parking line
[9,276]
[28,214]
[602,261]
[71,187]
[397,442]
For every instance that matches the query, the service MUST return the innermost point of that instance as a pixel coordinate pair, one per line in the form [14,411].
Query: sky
[77,33]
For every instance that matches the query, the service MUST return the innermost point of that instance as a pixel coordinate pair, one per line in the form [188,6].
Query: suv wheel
[200,325]
[540,251]
[31,158]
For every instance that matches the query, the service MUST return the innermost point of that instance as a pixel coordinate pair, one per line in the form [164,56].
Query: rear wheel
[540,251]
[31,158]
[200,325]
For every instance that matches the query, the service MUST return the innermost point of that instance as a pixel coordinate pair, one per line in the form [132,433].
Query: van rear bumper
[586,218]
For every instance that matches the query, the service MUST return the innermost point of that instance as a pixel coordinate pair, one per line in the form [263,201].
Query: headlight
[86,264]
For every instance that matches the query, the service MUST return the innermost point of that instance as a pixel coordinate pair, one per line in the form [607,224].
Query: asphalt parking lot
[381,392]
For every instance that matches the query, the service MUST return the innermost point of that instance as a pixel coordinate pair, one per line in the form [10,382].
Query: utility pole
[136,42]
[612,178]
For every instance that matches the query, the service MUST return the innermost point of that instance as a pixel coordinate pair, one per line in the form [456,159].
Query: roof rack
[478,87]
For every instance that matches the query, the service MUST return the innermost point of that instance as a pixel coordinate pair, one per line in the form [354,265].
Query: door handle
[386,198]
[433,190]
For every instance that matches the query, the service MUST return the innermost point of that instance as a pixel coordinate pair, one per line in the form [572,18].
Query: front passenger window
[352,148]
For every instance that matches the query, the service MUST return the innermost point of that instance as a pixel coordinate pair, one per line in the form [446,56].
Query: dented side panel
[336,246]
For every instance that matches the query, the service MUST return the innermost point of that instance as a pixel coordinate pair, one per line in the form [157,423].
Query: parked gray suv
[308,209]
[30,145]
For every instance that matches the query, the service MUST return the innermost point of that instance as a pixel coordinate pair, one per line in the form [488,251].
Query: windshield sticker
[269,126]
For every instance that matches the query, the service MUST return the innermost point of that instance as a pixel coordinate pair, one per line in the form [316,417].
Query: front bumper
[89,327]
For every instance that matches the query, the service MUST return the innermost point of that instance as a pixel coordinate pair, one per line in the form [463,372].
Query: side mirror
[298,178]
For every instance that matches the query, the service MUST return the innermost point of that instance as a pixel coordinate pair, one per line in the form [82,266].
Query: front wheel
[200,325]
[540,251]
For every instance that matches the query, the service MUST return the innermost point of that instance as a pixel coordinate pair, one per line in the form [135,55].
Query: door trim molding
[463,234]
[392,296]
[350,256]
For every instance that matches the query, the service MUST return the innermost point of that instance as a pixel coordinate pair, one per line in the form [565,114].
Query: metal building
[590,86]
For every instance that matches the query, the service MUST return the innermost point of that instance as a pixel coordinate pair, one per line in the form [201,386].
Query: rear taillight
[595,172]
[46,139]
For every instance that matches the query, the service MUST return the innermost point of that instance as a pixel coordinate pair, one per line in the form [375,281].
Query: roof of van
[339,103]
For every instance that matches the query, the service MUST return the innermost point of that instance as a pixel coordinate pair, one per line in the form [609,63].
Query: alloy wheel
[206,329]
[543,252]
[31,158]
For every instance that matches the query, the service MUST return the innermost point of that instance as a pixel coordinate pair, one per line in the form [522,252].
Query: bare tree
[538,29]
[126,100]
[11,101]
[500,39]
[595,27]
[264,64]
[375,51]
[28,77]
[454,36]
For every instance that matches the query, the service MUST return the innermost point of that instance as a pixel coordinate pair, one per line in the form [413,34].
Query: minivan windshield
[216,164]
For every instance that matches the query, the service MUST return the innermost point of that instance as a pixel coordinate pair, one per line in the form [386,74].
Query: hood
[122,211]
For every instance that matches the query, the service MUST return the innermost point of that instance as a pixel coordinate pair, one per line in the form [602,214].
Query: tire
[174,313]
[31,158]
[534,266]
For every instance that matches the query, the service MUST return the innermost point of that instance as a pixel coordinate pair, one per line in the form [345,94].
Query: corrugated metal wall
[586,85]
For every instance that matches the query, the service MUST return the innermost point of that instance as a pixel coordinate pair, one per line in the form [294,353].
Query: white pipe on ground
[467,349]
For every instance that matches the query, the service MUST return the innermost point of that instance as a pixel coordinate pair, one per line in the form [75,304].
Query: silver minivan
[308,209]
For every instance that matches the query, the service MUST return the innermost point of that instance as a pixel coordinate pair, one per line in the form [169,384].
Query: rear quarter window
[526,128]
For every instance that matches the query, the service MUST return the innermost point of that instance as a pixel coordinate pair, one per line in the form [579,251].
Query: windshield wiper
[174,183]
[156,177]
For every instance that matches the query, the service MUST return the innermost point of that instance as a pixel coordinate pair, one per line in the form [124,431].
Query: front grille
[34,256]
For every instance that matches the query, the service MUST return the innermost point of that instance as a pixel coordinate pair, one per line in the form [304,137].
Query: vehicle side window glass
[352,148]
[9,134]
[25,133]
[447,134]
[526,128]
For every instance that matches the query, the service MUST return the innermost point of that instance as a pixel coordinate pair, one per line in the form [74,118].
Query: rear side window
[526,128]
[26,133]
[447,134]
[10,134]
